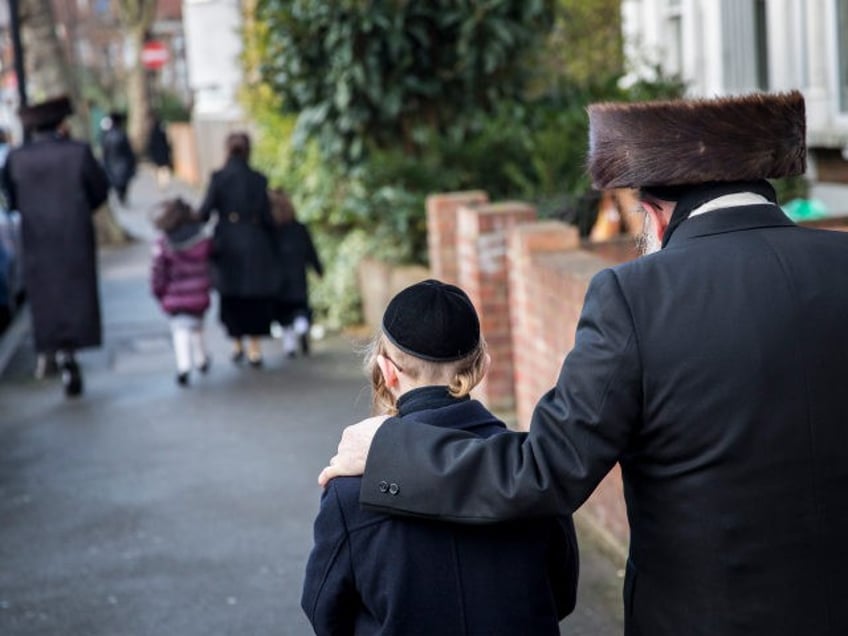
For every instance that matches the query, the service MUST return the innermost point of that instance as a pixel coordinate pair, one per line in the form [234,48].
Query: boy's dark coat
[373,574]
[296,252]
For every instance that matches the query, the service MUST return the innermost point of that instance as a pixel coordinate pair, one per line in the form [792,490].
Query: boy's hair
[172,214]
[282,209]
[460,376]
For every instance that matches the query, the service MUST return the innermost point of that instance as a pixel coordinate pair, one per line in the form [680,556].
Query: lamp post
[18,49]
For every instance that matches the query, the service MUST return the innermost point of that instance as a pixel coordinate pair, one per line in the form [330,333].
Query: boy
[374,574]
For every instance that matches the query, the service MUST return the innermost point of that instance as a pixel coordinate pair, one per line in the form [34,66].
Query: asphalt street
[144,508]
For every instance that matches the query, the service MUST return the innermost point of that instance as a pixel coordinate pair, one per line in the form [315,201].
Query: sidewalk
[144,509]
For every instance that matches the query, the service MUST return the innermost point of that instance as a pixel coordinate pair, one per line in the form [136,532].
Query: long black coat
[714,372]
[244,256]
[296,252]
[370,573]
[56,184]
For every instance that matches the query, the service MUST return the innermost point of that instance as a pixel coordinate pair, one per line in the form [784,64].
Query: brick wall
[481,233]
[441,230]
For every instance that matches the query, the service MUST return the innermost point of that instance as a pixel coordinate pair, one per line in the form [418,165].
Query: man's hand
[353,450]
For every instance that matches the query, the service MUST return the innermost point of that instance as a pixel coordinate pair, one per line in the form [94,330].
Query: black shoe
[72,378]
[204,368]
[256,363]
[238,357]
[182,379]
[304,343]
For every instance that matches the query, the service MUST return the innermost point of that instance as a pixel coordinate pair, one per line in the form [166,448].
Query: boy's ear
[487,364]
[388,370]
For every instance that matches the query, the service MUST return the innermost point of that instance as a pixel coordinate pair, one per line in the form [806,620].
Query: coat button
[393,489]
[383,486]
[233,217]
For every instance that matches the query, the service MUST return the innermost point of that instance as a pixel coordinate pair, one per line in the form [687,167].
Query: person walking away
[118,155]
[244,263]
[296,252]
[712,370]
[370,573]
[158,150]
[180,281]
[56,184]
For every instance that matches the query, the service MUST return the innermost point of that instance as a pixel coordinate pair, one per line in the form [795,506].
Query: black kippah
[433,321]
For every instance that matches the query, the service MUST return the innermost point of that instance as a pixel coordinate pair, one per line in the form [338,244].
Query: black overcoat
[119,158]
[296,252]
[56,184]
[244,261]
[370,573]
[714,372]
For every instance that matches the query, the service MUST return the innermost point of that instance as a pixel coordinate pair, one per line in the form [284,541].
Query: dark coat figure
[119,159]
[296,253]
[56,184]
[370,573]
[158,147]
[244,264]
[712,371]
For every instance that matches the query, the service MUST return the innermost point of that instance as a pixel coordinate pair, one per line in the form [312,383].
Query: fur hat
[433,321]
[45,115]
[682,142]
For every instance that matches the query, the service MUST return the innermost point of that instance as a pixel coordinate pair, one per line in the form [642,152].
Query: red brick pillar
[482,272]
[535,364]
[441,230]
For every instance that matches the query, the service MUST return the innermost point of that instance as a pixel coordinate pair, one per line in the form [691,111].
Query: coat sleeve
[330,599]
[312,258]
[159,271]
[95,181]
[210,200]
[577,433]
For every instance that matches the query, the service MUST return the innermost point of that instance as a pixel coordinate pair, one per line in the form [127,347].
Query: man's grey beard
[647,242]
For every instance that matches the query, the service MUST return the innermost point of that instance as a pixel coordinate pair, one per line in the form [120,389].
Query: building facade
[730,47]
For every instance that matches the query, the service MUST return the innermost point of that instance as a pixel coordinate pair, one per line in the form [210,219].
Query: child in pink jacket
[180,280]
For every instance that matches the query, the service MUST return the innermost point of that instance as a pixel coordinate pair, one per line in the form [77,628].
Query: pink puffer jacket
[180,273]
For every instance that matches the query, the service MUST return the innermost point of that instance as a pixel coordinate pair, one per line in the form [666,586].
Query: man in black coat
[118,155]
[56,184]
[711,370]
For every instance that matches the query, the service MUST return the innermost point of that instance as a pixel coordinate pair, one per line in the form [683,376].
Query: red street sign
[154,55]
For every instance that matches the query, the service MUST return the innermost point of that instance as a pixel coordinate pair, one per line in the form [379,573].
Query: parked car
[11,265]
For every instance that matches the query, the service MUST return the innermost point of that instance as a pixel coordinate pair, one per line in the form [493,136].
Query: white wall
[213,45]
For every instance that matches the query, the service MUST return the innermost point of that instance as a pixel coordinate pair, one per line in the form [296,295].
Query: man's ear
[660,214]
[390,376]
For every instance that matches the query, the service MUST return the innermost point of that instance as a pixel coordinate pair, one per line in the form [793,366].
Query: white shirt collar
[729,201]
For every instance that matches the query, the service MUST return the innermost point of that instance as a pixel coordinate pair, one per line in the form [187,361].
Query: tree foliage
[363,74]
[424,97]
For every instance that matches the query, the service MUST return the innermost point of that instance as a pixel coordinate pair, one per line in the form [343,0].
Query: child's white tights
[189,344]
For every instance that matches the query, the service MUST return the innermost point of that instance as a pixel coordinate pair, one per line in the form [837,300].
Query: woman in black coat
[244,267]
